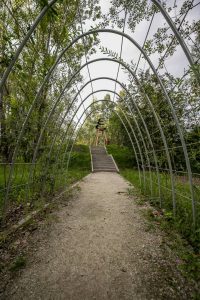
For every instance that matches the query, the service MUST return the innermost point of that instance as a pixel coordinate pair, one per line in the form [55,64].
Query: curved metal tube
[103,100]
[175,31]
[66,132]
[135,120]
[52,2]
[163,90]
[149,102]
[62,92]
[77,136]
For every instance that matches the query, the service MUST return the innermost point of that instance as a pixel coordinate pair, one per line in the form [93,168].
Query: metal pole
[163,90]
[63,159]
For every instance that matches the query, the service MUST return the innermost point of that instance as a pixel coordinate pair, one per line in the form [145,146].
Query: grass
[80,158]
[123,156]
[45,181]
[183,221]
[182,237]
[18,263]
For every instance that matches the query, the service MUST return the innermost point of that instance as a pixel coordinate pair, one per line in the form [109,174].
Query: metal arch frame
[146,57]
[75,113]
[66,132]
[121,120]
[69,156]
[167,98]
[149,102]
[52,2]
[133,132]
[135,120]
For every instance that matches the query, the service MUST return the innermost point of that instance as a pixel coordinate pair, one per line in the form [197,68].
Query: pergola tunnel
[44,119]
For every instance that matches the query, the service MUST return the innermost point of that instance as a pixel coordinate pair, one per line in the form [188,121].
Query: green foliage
[122,155]
[183,220]
[45,181]
[80,158]
[18,263]
[57,28]
[189,260]
[191,265]
[193,138]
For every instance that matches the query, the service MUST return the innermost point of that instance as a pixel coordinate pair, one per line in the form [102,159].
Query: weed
[149,227]
[18,263]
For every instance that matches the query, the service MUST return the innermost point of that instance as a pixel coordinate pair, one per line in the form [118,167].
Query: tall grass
[123,156]
[45,181]
[147,185]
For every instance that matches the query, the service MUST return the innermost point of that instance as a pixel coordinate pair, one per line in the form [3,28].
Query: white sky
[176,64]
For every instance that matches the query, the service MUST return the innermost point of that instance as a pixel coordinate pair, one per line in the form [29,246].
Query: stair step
[104,170]
[101,161]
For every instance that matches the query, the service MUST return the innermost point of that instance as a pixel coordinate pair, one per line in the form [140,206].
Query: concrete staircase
[101,161]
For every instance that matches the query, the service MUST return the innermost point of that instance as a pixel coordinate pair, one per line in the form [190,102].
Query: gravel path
[99,248]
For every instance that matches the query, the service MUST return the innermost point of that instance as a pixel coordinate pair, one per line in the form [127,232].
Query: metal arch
[66,132]
[62,92]
[24,42]
[149,62]
[175,31]
[81,127]
[162,87]
[135,120]
[149,102]
[103,100]
[52,2]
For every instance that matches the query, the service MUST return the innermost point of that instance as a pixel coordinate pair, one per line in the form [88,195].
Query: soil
[99,247]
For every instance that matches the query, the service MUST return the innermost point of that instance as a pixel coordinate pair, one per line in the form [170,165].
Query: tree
[57,28]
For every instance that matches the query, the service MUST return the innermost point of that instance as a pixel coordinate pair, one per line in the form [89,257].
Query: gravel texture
[99,247]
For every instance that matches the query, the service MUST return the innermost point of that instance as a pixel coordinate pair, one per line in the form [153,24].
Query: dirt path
[99,248]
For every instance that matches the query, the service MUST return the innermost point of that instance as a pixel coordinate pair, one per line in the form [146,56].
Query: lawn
[46,181]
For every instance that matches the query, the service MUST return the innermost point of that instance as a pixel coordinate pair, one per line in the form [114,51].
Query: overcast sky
[176,64]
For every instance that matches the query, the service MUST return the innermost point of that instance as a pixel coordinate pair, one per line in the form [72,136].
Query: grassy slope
[79,166]
[80,163]
[183,220]
[189,256]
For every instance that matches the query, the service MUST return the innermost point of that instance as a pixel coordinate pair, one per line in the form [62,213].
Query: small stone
[123,270]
